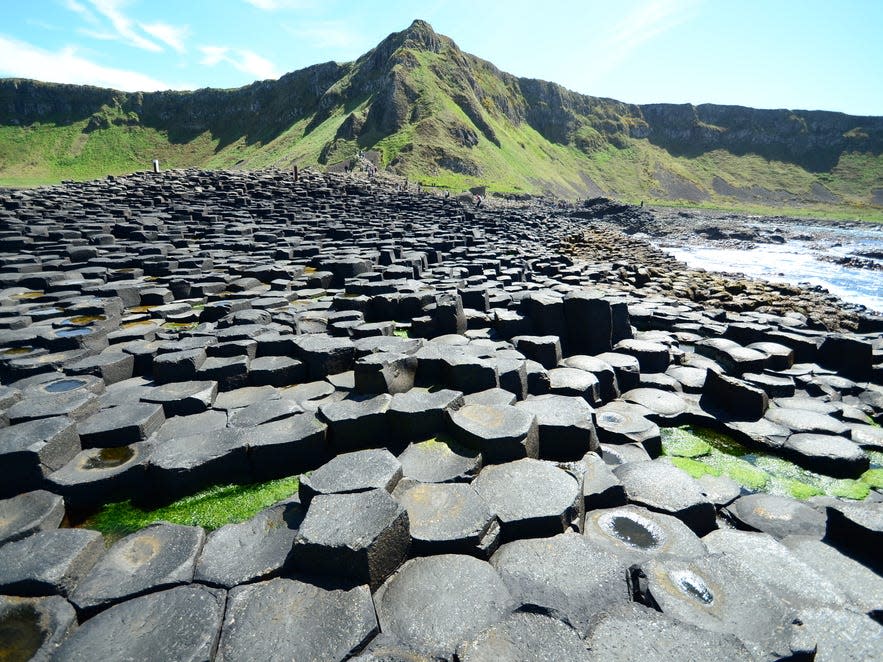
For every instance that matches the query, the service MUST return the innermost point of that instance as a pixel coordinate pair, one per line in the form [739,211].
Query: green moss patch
[700,451]
[210,509]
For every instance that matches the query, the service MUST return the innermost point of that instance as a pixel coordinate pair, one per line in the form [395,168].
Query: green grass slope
[446,118]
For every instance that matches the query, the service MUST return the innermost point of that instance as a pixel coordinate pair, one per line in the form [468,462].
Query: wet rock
[32,628]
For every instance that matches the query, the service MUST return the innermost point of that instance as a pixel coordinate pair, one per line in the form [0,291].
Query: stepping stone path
[474,401]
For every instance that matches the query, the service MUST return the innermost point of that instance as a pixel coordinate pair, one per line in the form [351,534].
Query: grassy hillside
[445,118]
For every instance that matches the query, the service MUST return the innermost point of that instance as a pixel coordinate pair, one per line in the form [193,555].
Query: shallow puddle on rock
[63,385]
[109,458]
[631,531]
[693,586]
[72,333]
[20,633]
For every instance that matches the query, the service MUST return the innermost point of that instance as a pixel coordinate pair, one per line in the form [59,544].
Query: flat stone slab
[523,636]
[500,433]
[183,398]
[255,549]
[420,413]
[263,412]
[827,454]
[287,446]
[440,461]
[122,425]
[642,533]
[27,513]
[773,564]
[48,562]
[467,595]
[633,632]
[355,424]
[32,628]
[358,471]
[566,574]
[363,536]
[840,634]
[158,556]
[717,594]
[449,518]
[664,488]
[862,587]
[662,405]
[181,623]
[627,423]
[804,420]
[857,529]
[776,515]
[31,451]
[185,465]
[96,476]
[283,619]
[566,430]
[530,497]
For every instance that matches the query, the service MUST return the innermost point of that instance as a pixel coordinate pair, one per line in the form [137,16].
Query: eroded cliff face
[439,104]
[813,139]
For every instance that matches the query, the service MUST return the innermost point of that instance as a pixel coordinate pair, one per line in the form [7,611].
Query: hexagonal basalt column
[501,433]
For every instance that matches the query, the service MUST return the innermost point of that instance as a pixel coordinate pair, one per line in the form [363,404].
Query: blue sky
[800,54]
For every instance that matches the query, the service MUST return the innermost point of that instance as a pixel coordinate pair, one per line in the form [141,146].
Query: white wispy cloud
[276,5]
[123,26]
[240,59]
[644,23]
[327,34]
[171,35]
[107,21]
[23,60]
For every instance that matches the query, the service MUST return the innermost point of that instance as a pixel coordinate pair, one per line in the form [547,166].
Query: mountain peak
[421,35]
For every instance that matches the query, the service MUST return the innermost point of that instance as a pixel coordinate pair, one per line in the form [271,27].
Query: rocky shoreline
[478,401]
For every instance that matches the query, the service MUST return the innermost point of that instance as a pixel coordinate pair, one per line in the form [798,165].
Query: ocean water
[798,262]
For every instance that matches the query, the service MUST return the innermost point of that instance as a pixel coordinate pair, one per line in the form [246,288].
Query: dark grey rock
[385,373]
[490,397]
[778,516]
[565,427]
[803,420]
[263,412]
[841,634]
[524,637]
[652,356]
[642,533]
[625,423]
[467,594]
[121,426]
[531,498]
[662,406]
[733,398]
[361,536]
[282,619]
[247,551]
[632,632]
[181,623]
[178,366]
[276,371]
[97,476]
[156,557]
[48,562]
[603,371]
[76,405]
[359,471]
[32,628]
[575,382]
[439,461]
[601,488]
[355,424]
[626,367]
[27,513]
[421,413]
[449,518]
[545,350]
[566,576]
[500,433]
[668,490]
[827,454]
[287,446]
[857,530]
[715,593]
[183,398]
